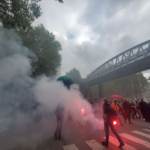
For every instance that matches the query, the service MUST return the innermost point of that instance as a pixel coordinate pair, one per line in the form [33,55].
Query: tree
[147,93]
[18,14]
[75,75]
[132,86]
[44,45]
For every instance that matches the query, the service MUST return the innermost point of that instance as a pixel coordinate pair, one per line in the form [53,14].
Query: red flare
[82,111]
[114,122]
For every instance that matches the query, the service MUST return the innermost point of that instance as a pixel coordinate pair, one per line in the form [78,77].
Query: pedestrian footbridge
[133,60]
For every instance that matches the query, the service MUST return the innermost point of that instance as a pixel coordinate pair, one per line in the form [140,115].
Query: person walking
[145,110]
[122,112]
[115,106]
[60,110]
[126,110]
[133,111]
[119,106]
[60,116]
[138,109]
[108,115]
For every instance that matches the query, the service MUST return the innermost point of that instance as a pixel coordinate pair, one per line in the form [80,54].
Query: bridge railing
[129,56]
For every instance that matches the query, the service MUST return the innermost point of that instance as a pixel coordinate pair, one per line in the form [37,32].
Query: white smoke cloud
[13,66]
[16,81]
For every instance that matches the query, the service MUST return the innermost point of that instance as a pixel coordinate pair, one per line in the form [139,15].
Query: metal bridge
[135,55]
[131,61]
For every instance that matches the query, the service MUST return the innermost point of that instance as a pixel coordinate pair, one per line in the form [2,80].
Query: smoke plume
[19,91]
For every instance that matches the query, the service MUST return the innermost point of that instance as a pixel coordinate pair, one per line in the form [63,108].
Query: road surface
[39,136]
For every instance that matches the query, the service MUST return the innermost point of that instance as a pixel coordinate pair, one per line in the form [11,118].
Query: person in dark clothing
[149,104]
[108,122]
[138,109]
[60,110]
[133,111]
[122,112]
[145,110]
[60,116]
[126,110]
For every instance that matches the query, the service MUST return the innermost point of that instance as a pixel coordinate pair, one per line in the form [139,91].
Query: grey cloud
[70,36]
[86,54]
[99,9]
[92,32]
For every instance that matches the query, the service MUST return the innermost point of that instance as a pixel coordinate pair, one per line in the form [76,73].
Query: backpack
[112,113]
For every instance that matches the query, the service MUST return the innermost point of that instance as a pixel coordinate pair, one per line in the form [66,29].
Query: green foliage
[147,92]
[44,45]
[130,86]
[18,14]
[75,75]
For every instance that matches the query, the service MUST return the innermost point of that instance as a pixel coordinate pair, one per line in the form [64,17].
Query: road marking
[70,147]
[141,133]
[146,130]
[116,143]
[94,145]
[135,139]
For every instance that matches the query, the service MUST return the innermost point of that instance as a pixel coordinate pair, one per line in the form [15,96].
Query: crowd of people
[132,110]
[135,110]
[109,114]
[128,110]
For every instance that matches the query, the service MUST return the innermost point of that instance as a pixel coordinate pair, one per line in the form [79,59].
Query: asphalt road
[28,135]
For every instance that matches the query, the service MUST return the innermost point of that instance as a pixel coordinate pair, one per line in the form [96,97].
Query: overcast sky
[93,31]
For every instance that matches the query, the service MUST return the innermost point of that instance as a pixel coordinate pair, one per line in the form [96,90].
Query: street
[40,136]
